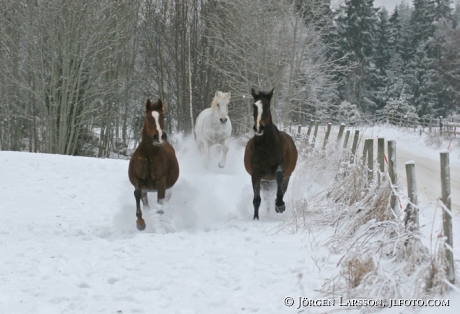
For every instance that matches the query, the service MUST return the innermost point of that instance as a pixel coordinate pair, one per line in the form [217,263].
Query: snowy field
[69,242]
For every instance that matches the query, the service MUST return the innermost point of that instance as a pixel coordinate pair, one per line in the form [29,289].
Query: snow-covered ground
[69,244]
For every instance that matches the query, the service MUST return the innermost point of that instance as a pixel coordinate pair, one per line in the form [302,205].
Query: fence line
[411,217]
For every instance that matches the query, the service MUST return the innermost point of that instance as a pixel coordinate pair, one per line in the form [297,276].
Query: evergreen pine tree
[421,22]
[356,28]
[382,57]
[423,82]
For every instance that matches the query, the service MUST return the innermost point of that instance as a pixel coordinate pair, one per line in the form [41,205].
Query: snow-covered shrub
[399,111]
[348,113]
[355,268]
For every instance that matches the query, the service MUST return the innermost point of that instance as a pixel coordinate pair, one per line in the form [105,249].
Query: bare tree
[70,62]
[266,44]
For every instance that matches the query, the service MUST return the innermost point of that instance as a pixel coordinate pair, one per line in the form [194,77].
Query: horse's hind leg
[257,200]
[279,203]
[267,188]
[145,200]
[140,223]
[168,195]
[207,149]
[223,162]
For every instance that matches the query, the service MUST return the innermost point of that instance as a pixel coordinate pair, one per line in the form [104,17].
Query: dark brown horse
[153,166]
[270,155]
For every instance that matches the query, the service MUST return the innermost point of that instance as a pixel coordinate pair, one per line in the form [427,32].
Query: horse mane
[218,96]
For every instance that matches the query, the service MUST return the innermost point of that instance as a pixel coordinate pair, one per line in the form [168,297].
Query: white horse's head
[219,106]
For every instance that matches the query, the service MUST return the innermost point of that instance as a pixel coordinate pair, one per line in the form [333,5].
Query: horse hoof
[221,165]
[280,209]
[256,218]
[140,225]
[160,211]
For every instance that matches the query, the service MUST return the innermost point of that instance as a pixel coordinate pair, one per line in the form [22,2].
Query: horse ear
[270,94]
[254,94]
[161,104]
[217,94]
[148,104]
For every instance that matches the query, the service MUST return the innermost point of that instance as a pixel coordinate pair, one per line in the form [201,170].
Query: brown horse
[153,166]
[270,155]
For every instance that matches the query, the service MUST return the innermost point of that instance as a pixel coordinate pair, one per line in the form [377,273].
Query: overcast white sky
[388,4]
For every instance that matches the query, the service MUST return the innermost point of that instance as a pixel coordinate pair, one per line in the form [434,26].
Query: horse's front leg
[223,162]
[161,196]
[279,203]
[257,200]
[140,223]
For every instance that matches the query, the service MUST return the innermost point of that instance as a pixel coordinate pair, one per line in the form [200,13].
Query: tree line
[74,75]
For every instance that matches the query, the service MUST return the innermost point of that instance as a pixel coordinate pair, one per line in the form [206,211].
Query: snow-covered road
[410,146]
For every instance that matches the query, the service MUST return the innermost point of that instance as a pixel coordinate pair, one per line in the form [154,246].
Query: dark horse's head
[154,122]
[261,108]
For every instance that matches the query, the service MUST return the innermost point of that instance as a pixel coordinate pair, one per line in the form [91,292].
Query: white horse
[213,126]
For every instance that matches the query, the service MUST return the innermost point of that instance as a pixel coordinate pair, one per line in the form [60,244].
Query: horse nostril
[223,120]
[155,137]
[260,130]
[164,136]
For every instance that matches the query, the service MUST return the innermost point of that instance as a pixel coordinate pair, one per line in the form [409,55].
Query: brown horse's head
[261,108]
[154,122]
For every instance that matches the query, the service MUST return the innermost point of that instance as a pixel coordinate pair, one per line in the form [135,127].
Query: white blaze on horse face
[260,110]
[156,116]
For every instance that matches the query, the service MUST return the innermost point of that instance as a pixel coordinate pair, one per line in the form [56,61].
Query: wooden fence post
[309,131]
[299,129]
[328,131]
[370,159]
[366,144]
[380,156]
[345,141]
[315,134]
[392,170]
[354,146]
[339,137]
[411,220]
[446,215]
[440,125]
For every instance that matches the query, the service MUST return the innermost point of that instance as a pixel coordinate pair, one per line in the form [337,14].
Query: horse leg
[206,152]
[140,223]
[285,184]
[201,147]
[168,195]
[279,203]
[145,200]
[161,197]
[223,162]
[267,189]
[257,200]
